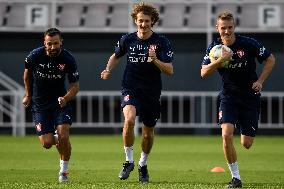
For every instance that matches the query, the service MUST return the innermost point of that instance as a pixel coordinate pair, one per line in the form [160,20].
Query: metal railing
[180,109]
[12,112]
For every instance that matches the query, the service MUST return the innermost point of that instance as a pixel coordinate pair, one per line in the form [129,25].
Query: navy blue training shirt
[48,77]
[241,72]
[140,73]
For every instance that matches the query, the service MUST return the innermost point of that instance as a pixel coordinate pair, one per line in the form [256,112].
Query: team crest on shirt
[126,98]
[39,127]
[220,114]
[152,47]
[61,67]
[240,53]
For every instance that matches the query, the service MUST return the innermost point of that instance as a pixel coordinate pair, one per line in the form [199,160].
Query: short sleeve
[73,74]
[29,62]
[120,48]
[166,53]
[261,53]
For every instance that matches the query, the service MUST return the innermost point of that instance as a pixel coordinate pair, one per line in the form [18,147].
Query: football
[216,52]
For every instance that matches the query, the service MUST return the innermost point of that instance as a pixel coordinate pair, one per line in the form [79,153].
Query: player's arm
[215,64]
[27,82]
[112,62]
[71,93]
[167,68]
[267,68]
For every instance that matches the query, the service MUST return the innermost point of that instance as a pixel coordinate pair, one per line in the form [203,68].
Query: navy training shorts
[47,121]
[241,111]
[147,106]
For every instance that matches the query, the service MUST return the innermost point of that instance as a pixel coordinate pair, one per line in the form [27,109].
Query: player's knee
[47,145]
[247,145]
[129,123]
[147,135]
[227,137]
[227,140]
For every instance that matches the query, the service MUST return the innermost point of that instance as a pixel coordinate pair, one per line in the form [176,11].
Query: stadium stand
[282,15]
[2,13]
[97,15]
[198,16]
[249,16]
[70,15]
[16,16]
[113,15]
[120,16]
[174,15]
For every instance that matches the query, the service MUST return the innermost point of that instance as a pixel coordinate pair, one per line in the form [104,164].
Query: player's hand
[257,87]
[61,101]
[152,55]
[105,74]
[27,101]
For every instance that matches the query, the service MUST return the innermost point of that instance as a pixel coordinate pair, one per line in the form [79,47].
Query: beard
[53,53]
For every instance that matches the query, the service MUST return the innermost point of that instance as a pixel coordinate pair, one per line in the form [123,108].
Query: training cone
[217,170]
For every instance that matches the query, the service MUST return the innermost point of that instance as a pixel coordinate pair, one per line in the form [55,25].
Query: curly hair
[146,9]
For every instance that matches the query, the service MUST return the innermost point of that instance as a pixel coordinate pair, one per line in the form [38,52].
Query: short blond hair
[225,15]
[146,9]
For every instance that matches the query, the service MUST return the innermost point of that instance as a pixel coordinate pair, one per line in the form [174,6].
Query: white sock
[129,154]
[143,159]
[234,170]
[63,166]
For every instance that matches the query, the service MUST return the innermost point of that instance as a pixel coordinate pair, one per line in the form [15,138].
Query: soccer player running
[46,68]
[241,87]
[148,54]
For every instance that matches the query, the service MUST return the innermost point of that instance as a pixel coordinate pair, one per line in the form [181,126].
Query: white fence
[101,109]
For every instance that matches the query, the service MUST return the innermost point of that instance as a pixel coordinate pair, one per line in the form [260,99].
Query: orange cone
[217,170]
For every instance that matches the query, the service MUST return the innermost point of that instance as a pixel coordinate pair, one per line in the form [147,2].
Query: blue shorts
[241,111]
[47,121]
[148,106]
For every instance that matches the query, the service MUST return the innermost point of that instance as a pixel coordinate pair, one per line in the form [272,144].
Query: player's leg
[63,121]
[228,146]
[150,113]
[231,155]
[47,140]
[246,141]
[249,123]
[64,149]
[129,112]
[146,145]
[228,116]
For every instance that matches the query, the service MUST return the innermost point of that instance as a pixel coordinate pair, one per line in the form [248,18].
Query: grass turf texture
[175,162]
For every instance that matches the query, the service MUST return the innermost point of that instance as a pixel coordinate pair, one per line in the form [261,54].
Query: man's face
[143,22]
[226,29]
[52,45]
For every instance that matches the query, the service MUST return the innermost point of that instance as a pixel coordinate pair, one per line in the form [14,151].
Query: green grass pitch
[175,162]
